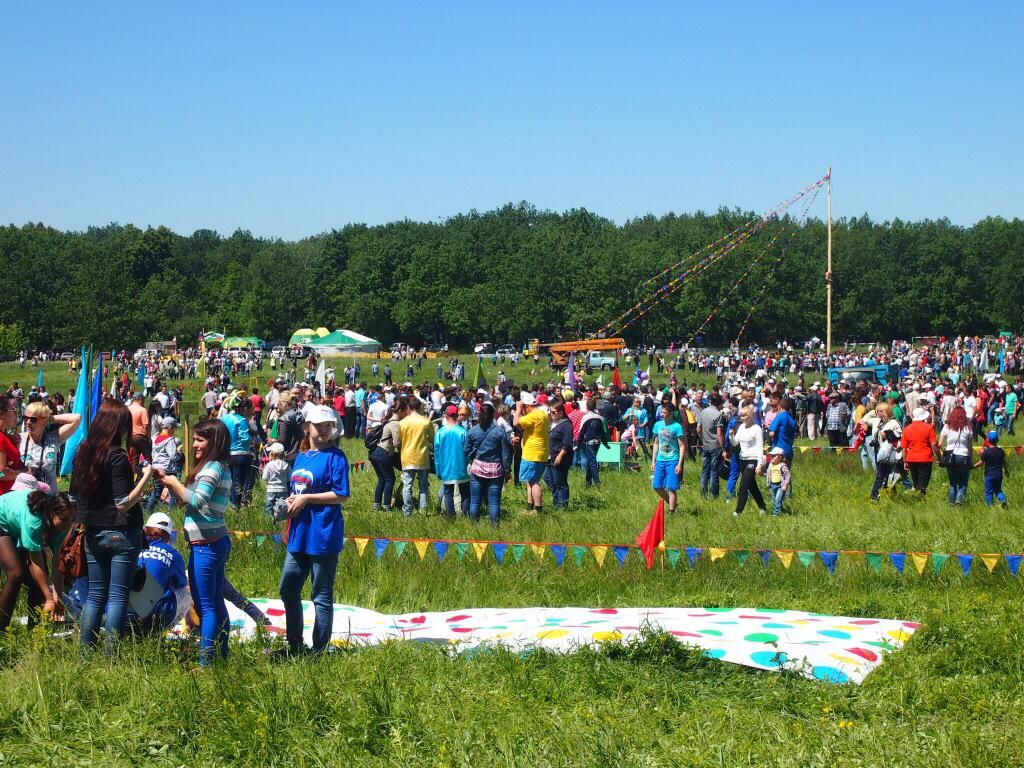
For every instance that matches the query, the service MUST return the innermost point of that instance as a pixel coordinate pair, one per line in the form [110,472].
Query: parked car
[483,348]
[507,349]
[435,347]
[67,356]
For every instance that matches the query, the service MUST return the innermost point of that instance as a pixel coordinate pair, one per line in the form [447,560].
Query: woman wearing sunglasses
[10,456]
[44,434]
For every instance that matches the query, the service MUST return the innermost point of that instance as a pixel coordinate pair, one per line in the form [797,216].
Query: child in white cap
[275,474]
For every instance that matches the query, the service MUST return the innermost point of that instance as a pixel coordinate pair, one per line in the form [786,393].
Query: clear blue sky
[288,119]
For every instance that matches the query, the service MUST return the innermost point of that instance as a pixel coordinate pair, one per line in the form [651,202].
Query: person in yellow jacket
[416,433]
[535,425]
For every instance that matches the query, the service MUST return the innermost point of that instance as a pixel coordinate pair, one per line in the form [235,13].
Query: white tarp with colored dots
[835,649]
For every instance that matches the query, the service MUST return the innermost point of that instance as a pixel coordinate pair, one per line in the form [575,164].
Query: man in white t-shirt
[375,413]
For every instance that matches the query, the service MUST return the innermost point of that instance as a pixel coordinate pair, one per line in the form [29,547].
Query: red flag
[615,378]
[653,534]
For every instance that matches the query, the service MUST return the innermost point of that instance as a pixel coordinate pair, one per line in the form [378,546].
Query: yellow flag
[538,550]
[804,448]
[990,561]
[717,553]
[920,560]
[361,543]
[599,553]
[855,555]
[479,547]
[241,535]
[785,555]
[421,548]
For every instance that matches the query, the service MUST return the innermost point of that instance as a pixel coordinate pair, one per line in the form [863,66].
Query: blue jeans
[241,479]
[711,460]
[557,479]
[271,500]
[994,489]
[867,456]
[206,582]
[360,423]
[154,496]
[448,495]
[959,472]
[384,468]
[409,477]
[590,467]
[734,474]
[489,487]
[111,555]
[297,567]
[777,494]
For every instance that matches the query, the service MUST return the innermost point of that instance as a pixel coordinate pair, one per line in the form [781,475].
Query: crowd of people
[473,442]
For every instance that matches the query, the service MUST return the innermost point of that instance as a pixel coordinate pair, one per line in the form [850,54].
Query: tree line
[506,275]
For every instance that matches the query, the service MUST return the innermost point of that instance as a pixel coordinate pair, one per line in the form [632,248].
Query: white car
[278,352]
[483,348]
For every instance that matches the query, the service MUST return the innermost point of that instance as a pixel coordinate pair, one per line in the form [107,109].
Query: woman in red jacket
[920,449]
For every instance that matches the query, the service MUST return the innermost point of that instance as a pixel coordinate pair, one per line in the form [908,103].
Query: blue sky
[288,119]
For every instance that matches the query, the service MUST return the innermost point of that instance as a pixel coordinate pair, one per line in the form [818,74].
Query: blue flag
[39,379]
[140,376]
[558,550]
[499,551]
[97,391]
[829,559]
[380,545]
[82,409]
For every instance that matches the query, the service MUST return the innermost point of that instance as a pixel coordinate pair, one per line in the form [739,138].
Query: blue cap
[993,436]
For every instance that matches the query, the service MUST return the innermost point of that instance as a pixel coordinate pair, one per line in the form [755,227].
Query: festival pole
[828,271]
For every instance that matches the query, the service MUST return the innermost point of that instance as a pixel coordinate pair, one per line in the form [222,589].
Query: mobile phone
[143,462]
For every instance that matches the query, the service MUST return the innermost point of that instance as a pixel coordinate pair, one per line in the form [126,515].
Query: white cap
[527,398]
[776,452]
[321,414]
[161,521]
[920,414]
[275,448]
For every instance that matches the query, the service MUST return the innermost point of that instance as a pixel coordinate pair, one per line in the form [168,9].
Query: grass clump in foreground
[953,696]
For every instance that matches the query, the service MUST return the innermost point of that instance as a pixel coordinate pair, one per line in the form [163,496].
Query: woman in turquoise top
[205,497]
[29,521]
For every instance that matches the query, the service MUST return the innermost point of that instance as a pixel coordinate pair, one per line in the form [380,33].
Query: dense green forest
[505,275]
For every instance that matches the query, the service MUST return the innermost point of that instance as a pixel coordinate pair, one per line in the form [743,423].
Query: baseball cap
[168,422]
[993,437]
[776,452]
[275,448]
[527,398]
[321,414]
[542,399]
[451,410]
[26,481]
[138,396]
[161,521]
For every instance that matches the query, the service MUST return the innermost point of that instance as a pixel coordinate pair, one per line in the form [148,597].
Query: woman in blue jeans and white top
[316,528]
[205,496]
[108,504]
[489,454]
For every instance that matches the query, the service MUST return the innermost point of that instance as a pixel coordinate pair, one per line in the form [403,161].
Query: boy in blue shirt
[667,460]
[994,459]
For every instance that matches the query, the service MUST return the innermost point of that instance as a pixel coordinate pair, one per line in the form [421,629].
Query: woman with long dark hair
[10,457]
[108,505]
[205,494]
[489,454]
[29,521]
[956,438]
[385,452]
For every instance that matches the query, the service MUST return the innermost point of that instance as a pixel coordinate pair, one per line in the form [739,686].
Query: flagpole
[828,270]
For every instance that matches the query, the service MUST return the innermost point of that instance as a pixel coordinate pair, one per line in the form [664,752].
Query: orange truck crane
[599,353]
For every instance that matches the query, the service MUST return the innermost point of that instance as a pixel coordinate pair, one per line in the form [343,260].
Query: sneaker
[1004,505]
[735,514]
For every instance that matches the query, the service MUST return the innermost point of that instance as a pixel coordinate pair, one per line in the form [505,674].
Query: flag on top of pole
[82,409]
[653,535]
[572,369]
[97,390]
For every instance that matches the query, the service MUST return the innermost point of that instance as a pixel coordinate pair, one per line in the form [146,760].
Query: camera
[280,510]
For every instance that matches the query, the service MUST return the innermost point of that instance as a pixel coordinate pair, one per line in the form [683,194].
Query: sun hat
[920,414]
[160,521]
[26,481]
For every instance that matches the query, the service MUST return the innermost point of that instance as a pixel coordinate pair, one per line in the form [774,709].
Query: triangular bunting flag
[717,553]
[938,560]
[538,551]
[479,547]
[804,448]
[692,553]
[261,539]
[990,561]
[174,536]
[620,554]
[786,556]
[461,548]
[1018,449]
[360,543]
[854,554]
[381,545]
[673,556]
[816,449]
[421,548]
[965,563]
[441,547]
[517,551]
[279,539]
[898,559]
[558,550]
[579,554]
[599,554]
[741,556]
[829,559]
[805,557]
[399,548]
[920,561]
[874,560]
[765,555]
[499,551]
[1013,563]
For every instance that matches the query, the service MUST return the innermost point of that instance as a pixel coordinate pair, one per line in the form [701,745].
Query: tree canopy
[506,275]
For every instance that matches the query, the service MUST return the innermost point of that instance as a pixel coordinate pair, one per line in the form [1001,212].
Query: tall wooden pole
[828,271]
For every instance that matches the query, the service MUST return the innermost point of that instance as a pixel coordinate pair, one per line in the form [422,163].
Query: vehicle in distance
[507,349]
[435,347]
[483,348]
[67,356]
[872,374]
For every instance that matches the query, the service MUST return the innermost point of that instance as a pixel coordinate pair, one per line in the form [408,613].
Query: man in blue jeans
[593,433]
[712,437]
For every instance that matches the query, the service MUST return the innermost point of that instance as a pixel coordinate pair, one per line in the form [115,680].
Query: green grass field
[952,697]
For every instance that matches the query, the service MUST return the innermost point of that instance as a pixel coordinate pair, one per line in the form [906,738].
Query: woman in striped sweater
[205,497]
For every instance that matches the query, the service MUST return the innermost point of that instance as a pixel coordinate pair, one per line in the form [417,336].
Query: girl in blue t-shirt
[316,528]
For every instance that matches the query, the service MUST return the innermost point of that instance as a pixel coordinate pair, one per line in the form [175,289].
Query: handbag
[946,459]
[71,558]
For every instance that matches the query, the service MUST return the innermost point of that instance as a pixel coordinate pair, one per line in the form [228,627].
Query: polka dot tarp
[835,649]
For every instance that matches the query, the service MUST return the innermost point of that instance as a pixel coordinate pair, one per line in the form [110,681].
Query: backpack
[373,437]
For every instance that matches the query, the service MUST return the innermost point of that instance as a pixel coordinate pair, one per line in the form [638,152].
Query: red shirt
[918,439]
[14,463]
